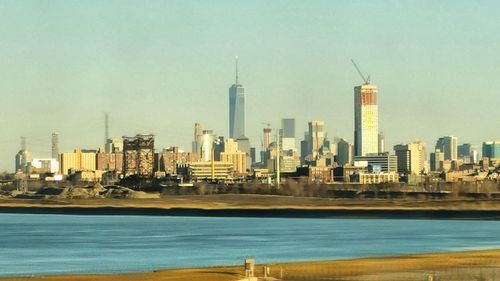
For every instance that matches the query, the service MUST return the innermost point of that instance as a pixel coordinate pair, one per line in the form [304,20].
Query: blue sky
[160,66]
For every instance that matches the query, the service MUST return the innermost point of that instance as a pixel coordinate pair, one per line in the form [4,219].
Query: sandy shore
[262,205]
[472,265]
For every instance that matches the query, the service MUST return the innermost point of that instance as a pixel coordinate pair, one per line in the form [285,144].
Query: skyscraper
[491,149]
[365,120]
[288,134]
[198,132]
[316,137]
[449,146]
[55,145]
[344,152]
[236,109]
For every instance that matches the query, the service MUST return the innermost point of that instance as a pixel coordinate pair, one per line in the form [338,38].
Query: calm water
[48,244]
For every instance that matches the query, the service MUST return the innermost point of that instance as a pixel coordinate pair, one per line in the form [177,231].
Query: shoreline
[261,206]
[256,213]
[369,268]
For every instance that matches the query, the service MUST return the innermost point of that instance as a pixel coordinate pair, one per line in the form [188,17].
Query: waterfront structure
[449,146]
[236,109]
[365,120]
[344,152]
[411,157]
[55,145]
[138,155]
[378,162]
[491,149]
[78,160]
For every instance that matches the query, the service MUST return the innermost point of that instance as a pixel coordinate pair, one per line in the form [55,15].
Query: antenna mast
[236,60]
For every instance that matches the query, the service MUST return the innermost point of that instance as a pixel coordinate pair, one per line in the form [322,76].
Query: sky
[160,66]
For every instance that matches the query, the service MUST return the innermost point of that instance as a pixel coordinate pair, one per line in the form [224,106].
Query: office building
[365,120]
[411,157]
[206,143]
[234,156]
[288,134]
[198,132]
[344,152]
[236,109]
[316,138]
[491,149]
[468,153]
[381,143]
[378,162]
[437,160]
[288,127]
[449,146]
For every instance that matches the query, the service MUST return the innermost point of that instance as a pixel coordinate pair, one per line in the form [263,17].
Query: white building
[365,120]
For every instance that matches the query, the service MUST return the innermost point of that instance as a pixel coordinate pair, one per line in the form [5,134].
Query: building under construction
[138,156]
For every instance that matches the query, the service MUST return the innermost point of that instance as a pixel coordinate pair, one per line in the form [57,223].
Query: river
[54,244]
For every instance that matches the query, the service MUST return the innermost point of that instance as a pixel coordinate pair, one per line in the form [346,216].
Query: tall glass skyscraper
[365,120]
[236,109]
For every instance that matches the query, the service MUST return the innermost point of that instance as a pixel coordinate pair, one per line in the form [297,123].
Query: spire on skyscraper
[236,61]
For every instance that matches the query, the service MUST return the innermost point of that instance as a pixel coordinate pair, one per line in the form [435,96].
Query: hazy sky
[160,66]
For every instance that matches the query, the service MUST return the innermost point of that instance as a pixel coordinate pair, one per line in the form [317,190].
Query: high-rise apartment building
[236,109]
[449,146]
[365,120]
[411,157]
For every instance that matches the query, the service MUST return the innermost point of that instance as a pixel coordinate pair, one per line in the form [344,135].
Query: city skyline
[62,71]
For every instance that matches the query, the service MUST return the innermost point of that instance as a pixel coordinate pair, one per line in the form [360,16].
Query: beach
[469,265]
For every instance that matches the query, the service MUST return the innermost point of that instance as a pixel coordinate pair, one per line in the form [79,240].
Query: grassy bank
[262,205]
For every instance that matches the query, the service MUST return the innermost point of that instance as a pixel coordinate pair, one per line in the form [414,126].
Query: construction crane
[366,80]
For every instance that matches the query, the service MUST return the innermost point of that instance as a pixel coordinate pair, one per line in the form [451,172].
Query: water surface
[53,244]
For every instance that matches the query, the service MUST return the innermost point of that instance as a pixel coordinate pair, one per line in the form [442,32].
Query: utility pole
[278,153]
